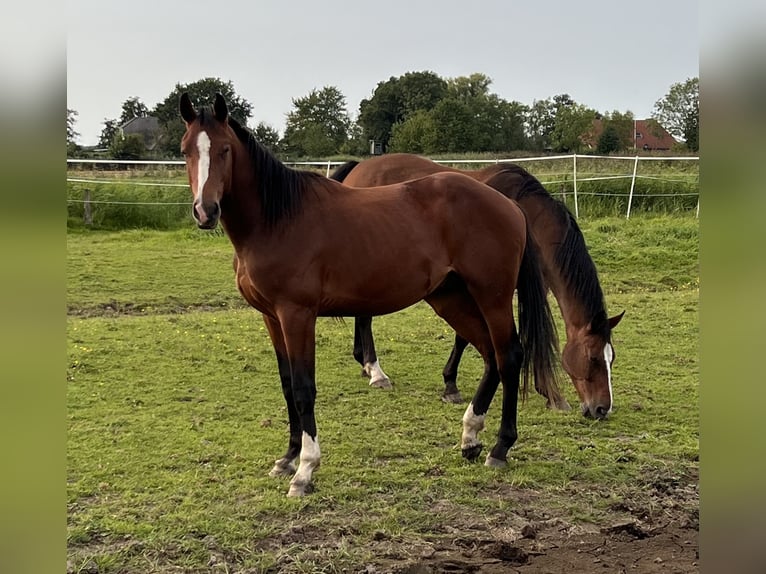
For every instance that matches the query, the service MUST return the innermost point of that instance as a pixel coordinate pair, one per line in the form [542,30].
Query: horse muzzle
[206,216]
[595,411]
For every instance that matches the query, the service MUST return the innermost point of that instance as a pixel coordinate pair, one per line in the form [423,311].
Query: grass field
[175,416]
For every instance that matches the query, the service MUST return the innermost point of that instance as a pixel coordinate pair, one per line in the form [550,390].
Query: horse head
[587,358]
[207,147]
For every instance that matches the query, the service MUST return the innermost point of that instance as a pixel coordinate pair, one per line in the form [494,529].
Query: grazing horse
[303,251]
[568,269]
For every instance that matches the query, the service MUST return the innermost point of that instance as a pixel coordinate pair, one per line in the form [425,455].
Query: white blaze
[608,356]
[203,166]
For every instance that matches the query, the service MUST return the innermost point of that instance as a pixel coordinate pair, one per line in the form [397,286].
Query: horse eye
[225,150]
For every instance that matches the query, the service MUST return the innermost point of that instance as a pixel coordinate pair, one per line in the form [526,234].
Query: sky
[606,55]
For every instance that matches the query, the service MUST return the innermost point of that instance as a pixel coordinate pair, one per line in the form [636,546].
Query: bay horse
[568,269]
[303,250]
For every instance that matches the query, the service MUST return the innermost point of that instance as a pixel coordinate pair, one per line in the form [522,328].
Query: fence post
[574,179]
[698,207]
[86,214]
[632,186]
[328,168]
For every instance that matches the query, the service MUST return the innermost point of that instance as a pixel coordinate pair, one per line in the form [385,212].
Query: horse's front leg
[285,466]
[298,327]
[364,353]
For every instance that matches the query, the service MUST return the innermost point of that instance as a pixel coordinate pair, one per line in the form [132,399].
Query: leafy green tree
[416,134]
[678,112]
[573,121]
[394,100]
[541,124]
[355,145]
[128,147]
[540,121]
[108,132]
[201,92]
[319,124]
[467,88]
[133,108]
[268,136]
[609,140]
[454,122]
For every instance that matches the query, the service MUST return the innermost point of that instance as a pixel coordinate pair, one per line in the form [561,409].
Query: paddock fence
[155,193]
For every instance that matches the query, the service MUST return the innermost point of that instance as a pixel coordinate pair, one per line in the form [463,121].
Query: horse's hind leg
[365,355]
[457,307]
[451,392]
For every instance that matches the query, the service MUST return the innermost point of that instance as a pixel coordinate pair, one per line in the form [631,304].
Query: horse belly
[381,286]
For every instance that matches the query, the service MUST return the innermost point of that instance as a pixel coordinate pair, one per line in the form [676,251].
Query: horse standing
[568,269]
[303,251]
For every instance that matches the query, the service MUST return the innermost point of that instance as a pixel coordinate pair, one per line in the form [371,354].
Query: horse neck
[549,231]
[240,209]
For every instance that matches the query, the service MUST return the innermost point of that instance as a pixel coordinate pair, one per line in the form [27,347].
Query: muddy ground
[655,529]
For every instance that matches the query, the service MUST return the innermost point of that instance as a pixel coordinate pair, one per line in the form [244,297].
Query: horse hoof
[282,469]
[495,462]
[384,383]
[452,398]
[297,489]
[471,453]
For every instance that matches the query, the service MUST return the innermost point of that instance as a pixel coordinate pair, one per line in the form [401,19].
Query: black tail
[537,329]
[342,171]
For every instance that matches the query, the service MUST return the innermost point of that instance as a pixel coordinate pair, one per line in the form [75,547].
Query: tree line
[417,112]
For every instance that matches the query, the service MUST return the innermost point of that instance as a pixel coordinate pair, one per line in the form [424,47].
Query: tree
[267,136]
[71,133]
[201,92]
[572,122]
[541,119]
[319,123]
[133,108]
[109,131]
[609,140]
[396,99]
[417,134]
[455,123]
[678,112]
[617,132]
[129,147]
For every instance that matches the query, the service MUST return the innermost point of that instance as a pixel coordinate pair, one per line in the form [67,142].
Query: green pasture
[175,413]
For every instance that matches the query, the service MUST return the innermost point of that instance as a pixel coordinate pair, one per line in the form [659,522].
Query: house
[147,127]
[648,135]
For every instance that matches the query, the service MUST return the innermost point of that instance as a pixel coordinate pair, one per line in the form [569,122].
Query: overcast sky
[607,55]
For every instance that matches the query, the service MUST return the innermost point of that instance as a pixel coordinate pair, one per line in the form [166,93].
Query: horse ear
[187,109]
[219,108]
[614,320]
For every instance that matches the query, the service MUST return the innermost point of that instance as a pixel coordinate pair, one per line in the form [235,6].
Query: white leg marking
[309,461]
[608,356]
[377,377]
[203,171]
[473,424]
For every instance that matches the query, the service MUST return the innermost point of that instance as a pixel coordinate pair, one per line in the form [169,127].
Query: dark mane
[280,189]
[342,171]
[572,258]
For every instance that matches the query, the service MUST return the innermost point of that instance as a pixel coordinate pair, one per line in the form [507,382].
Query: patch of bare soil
[653,529]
